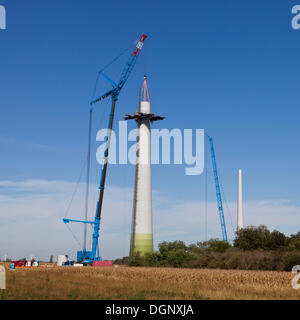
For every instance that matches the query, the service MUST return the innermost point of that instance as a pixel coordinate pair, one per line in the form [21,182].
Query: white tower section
[143,237]
[240,224]
[141,233]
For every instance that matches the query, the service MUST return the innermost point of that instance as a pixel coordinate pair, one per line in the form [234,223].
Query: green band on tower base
[143,243]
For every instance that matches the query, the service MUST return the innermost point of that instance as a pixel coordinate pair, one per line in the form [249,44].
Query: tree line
[254,248]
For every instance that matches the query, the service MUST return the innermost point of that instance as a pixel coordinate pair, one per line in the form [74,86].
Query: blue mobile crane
[218,190]
[88,257]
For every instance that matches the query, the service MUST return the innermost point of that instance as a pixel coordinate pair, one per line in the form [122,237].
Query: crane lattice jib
[131,62]
[218,190]
[125,73]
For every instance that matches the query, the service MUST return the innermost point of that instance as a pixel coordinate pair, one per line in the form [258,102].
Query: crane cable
[101,118]
[74,192]
[87,178]
[145,60]
[85,163]
[118,56]
[73,234]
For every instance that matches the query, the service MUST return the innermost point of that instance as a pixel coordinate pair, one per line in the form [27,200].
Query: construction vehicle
[84,256]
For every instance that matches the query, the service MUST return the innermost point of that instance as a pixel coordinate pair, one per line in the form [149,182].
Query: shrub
[152,259]
[294,241]
[179,258]
[123,261]
[216,245]
[137,260]
[292,259]
[253,238]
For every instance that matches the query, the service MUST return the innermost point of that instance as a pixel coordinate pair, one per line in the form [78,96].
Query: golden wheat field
[127,283]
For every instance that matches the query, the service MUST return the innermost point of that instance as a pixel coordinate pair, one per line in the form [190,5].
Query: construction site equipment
[61,259]
[106,263]
[85,256]
[218,190]
[19,264]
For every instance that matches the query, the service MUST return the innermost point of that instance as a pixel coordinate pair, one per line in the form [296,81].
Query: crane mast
[218,190]
[93,255]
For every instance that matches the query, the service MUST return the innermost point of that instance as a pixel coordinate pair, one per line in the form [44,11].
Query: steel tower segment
[218,190]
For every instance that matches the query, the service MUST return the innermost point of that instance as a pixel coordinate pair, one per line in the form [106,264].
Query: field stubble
[127,283]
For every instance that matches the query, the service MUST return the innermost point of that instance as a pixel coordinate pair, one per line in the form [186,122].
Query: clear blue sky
[230,67]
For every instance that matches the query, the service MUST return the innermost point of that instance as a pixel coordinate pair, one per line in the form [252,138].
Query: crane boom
[90,256]
[218,190]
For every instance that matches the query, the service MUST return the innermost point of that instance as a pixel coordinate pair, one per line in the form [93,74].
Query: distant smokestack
[240,202]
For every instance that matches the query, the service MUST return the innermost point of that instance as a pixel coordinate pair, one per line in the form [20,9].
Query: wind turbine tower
[141,232]
[240,202]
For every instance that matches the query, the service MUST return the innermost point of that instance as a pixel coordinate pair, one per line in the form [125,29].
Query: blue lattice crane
[218,190]
[93,255]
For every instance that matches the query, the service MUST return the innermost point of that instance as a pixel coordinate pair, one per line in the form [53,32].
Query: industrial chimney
[141,233]
[240,202]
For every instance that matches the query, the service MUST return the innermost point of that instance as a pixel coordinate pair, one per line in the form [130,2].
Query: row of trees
[254,248]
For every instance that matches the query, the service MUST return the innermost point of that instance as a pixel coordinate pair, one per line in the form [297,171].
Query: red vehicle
[105,263]
[19,264]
